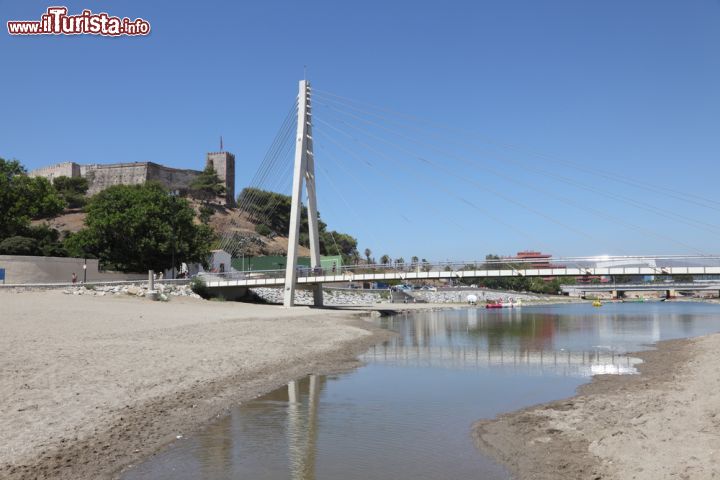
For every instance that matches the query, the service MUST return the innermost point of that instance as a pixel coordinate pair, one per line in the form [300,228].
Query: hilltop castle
[102,176]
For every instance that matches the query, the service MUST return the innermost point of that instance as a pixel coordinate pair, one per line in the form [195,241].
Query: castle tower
[224,165]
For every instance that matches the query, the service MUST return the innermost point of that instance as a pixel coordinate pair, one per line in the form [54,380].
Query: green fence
[278,262]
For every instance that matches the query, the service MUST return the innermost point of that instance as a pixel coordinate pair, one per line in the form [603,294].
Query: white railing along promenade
[95,283]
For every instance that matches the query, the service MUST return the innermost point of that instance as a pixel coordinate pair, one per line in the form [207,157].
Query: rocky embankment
[330,296]
[162,292]
[460,296]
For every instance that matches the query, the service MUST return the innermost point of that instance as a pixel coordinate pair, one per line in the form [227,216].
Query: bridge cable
[263,170]
[437,186]
[479,185]
[684,196]
[564,200]
[708,227]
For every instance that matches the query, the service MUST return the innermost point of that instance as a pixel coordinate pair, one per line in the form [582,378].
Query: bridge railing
[516,264]
[709,285]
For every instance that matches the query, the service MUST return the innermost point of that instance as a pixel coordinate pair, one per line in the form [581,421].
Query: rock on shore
[330,296]
[161,292]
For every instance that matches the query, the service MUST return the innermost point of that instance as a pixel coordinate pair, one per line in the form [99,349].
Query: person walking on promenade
[74,278]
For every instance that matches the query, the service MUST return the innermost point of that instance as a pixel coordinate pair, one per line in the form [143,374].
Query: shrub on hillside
[262,229]
[18,245]
[198,286]
[205,213]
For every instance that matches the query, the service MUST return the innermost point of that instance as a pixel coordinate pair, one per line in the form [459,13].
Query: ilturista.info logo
[56,21]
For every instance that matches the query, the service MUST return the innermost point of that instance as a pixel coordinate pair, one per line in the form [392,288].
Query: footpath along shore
[661,424]
[91,384]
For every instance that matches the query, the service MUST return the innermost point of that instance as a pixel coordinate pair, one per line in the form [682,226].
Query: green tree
[336,243]
[72,190]
[48,240]
[273,210]
[368,252]
[270,208]
[138,227]
[262,229]
[385,259]
[19,245]
[205,213]
[23,198]
[207,186]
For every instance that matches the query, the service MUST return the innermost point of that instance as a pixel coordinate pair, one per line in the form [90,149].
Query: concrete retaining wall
[26,269]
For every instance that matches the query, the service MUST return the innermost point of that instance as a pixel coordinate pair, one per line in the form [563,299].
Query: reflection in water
[302,429]
[512,340]
[407,413]
[563,363]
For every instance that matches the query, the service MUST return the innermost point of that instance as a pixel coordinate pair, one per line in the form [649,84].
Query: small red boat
[510,304]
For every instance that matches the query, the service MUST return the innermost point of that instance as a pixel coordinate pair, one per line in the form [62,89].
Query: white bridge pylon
[304,170]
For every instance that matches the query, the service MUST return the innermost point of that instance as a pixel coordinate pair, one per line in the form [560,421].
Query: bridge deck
[276,278]
[648,287]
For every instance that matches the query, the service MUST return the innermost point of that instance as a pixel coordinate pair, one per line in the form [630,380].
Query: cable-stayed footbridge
[385,142]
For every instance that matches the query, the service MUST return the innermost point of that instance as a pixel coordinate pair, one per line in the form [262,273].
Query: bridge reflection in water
[563,363]
[302,427]
[408,412]
[507,339]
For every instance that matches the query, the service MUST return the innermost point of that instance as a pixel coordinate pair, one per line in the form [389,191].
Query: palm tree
[385,259]
[400,262]
[368,252]
[414,261]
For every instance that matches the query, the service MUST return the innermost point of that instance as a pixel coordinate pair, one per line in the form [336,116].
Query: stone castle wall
[102,176]
[224,165]
[66,169]
[172,178]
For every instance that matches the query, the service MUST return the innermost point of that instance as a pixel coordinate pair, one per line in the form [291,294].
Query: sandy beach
[91,385]
[661,424]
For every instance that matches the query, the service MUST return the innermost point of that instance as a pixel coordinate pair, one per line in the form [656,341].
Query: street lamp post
[173,194]
[173,253]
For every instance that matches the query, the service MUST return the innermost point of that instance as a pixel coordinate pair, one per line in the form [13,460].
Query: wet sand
[663,423]
[91,385]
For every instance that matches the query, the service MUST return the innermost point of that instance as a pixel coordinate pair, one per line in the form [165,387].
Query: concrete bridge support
[304,171]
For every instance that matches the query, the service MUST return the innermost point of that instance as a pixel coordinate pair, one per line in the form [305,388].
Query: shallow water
[407,413]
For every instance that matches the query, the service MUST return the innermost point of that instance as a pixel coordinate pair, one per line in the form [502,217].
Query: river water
[408,412]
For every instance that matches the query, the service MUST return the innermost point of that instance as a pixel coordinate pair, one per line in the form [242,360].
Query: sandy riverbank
[661,424]
[93,384]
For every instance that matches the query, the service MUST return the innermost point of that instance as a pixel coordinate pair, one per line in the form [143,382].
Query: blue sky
[622,90]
